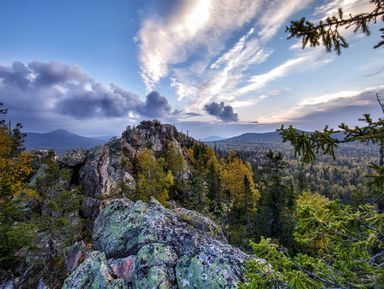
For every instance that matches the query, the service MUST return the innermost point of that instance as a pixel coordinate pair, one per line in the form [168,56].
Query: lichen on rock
[171,249]
[93,273]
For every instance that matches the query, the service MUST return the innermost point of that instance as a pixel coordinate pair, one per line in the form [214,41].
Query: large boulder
[171,248]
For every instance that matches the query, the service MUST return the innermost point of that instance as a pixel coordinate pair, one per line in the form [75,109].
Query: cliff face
[140,245]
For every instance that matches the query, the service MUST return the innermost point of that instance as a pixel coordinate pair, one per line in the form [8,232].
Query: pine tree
[277,200]
[340,247]
[197,191]
[327,31]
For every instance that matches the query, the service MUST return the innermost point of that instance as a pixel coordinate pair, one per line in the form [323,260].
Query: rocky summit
[103,239]
[145,245]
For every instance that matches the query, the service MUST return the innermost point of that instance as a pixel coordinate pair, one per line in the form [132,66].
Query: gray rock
[73,158]
[155,267]
[103,176]
[212,266]
[93,273]
[152,134]
[159,277]
[107,170]
[175,248]
[123,268]
[39,156]
[76,255]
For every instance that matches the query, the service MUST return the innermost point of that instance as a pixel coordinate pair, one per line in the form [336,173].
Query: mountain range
[267,137]
[60,140]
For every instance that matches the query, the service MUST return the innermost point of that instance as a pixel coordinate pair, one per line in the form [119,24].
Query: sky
[210,67]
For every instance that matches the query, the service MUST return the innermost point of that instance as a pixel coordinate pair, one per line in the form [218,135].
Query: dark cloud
[54,73]
[59,88]
[155,106]
[221,111]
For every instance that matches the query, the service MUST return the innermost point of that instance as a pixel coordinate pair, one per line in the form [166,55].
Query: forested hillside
[264,198]
[343,178]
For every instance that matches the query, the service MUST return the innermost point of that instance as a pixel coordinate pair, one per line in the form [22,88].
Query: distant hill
[259,138]
[268,137]
[212,138]
[59,140]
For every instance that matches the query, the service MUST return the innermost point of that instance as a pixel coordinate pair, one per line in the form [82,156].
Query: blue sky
[212,67]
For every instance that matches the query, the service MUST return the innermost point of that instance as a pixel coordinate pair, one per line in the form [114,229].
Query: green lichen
[93,273]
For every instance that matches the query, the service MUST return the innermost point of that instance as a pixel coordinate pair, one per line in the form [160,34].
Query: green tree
[340,248]
[327,32]
[277,200]
[197,191]
[175,163]
[308,145]
[239,197]
[233,175]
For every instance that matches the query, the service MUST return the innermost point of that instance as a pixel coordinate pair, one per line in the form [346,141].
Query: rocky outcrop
[107,170]
[104,176]
[73,158]
[145,245]
[153,135]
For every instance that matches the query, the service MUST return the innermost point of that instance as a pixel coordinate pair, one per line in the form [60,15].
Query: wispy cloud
[297,64]
[194,24]
[171,45]
[321,105]
[221,79]
[276,15]
[331,7]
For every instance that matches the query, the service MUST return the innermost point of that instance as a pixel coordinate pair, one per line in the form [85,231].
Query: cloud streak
[330,107]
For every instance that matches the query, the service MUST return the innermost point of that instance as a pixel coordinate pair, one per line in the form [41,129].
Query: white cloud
[277,14]
[196,24]
[221,79]
[330,8]
[242,103]
[300,63]
[329,97]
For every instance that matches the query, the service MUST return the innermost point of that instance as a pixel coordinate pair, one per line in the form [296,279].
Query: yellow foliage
[14,170]
[233,174]
[152,181]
